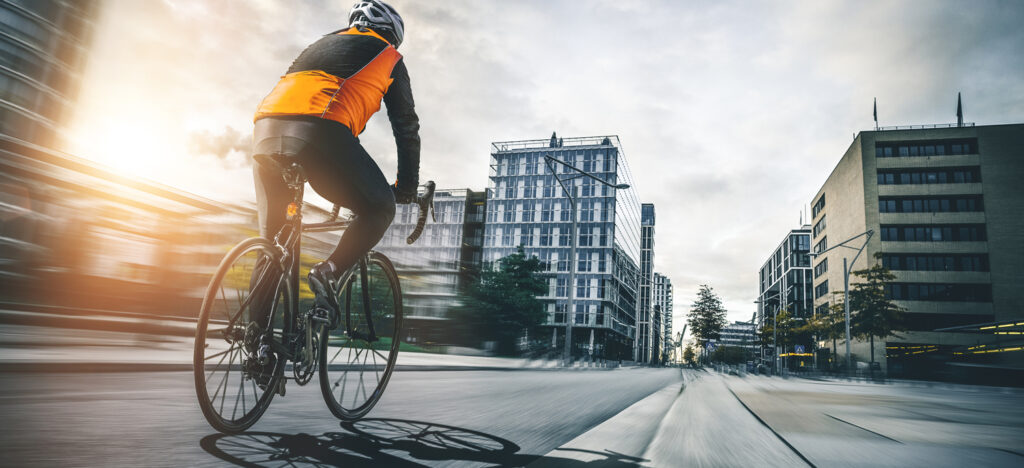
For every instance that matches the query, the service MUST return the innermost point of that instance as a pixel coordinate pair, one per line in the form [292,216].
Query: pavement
[623,417]
[32,348]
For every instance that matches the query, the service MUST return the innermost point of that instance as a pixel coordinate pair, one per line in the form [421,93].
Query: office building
[644,321]
[527,207]
[785,279]
[662,298]
[43,50]
[944,203]
[739,335]
[436,269]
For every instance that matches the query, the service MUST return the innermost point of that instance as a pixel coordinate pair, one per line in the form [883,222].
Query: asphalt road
[473,418]
[543,418]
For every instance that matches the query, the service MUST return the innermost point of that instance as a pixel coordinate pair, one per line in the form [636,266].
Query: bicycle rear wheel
[236,372]
[355,364]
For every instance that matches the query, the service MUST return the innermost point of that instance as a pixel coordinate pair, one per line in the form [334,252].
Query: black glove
[403,195]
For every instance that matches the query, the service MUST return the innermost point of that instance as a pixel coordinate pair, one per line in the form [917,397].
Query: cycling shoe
[323,279]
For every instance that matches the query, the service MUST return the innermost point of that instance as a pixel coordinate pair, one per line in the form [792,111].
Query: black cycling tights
[338,168]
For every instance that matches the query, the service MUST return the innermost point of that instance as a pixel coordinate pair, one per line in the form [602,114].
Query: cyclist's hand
[403,196]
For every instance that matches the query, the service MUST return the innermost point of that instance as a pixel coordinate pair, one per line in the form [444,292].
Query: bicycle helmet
[379,16]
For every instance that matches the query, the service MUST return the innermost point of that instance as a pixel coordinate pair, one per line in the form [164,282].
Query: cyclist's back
[316,113]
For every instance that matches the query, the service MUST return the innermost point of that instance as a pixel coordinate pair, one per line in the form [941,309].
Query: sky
[731,114]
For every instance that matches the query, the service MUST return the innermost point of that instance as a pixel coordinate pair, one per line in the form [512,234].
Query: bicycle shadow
[376,442]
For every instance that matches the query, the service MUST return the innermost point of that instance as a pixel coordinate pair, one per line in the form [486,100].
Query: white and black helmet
[377,15]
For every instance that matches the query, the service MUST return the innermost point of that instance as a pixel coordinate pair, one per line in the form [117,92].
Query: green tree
[876,315]
[707,316]
[688,355]
[503,304]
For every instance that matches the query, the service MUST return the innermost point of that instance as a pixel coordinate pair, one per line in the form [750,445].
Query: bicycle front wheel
[358,356]
[246,303]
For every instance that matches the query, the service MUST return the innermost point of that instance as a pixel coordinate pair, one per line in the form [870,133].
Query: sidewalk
[714,419]
[30,348]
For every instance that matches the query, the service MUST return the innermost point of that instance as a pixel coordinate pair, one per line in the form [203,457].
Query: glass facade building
[436,269]
[645,321]
[527,207]
[785,278]
[43,50]
[662,299]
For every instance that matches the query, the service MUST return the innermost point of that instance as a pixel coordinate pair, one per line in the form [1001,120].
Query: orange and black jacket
[343,77]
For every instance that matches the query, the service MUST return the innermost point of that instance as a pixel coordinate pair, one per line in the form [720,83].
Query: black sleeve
[406,127]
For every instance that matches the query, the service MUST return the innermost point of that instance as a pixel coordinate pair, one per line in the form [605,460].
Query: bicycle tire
[238,334]
[379,267]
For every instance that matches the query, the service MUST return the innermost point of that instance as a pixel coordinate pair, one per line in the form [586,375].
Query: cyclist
[316,113]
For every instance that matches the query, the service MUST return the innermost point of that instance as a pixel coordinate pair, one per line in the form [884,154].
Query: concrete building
[785,278]
[43,50]
[645,322]
[944,203]
[662,299]
[527,207]
[437,268]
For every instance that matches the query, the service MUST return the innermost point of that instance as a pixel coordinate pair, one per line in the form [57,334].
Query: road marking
[864,428]
[783,439]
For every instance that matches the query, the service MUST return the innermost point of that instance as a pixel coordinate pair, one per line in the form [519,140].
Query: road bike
[255,326]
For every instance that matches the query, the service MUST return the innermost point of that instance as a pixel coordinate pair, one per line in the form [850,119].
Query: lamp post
[846,282]
[550,163]
[775,329]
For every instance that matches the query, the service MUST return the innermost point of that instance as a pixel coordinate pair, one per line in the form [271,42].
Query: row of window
[939,292]
[529,164]
[902,149]
[820,268]
[819,226]
[935,233]
[953,175]
[818,206]
[941,204]
[935,262]
[821,289]
[821,245]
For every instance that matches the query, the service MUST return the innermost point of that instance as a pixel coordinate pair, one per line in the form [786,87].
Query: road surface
[571,418]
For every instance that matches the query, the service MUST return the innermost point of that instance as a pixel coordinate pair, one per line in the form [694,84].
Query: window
[818,206]
[560,288]
[581,288]
[821,268]
[545,236]
[821,289]
[961,175]
[819,226]
[935,262]
[822,245]
[917,148]
[821,309]
[939,292]
[931,204]
[934,233]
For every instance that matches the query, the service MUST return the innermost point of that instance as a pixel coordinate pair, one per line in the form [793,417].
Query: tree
[876,315]
[503,304]
[729,355]
[826,326]
[689,355]
[789,331]
[707,316]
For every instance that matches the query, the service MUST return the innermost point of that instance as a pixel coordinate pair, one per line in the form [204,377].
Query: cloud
[229,145]
[732,114]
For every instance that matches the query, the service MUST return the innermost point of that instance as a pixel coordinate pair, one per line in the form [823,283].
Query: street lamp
[550,162]
[775,328]
[846,282]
